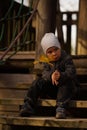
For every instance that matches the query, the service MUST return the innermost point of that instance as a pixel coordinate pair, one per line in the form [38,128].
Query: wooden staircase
[13,88]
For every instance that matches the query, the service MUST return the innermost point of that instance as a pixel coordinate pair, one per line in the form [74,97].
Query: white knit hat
[49,40]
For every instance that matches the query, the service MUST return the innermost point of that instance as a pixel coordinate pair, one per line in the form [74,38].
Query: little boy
[58,81]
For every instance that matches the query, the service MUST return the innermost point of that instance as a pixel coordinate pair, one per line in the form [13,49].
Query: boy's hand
[55,77]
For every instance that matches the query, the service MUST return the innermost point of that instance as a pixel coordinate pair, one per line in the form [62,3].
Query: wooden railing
[67,25]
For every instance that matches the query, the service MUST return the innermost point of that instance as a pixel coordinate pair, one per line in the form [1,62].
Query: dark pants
[41,88]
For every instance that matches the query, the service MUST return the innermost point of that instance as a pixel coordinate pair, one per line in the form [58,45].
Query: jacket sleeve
[69,70]
[47,72]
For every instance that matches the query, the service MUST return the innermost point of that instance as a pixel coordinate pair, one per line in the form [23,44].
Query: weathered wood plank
[73,103]
[11,101]
[18,86]
[7,93]
[81,71]
[43,102]
[26,85]
[12,80]
[79,62]
[9,113]
[44,121]
[9,108]
[21,55]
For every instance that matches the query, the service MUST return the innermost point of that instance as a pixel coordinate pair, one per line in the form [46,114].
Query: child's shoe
[60,113]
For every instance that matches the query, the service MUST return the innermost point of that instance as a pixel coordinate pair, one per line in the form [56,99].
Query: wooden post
[59,25]
[68,42]
[82,29]
[45,21]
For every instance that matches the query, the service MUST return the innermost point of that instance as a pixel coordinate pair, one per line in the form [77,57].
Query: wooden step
[43,102]
[23,62]
[44,122]
[25,85]
[26,55]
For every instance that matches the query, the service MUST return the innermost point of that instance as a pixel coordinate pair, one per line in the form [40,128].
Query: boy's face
[53,53]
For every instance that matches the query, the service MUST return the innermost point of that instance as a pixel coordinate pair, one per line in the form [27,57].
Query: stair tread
[44,121]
